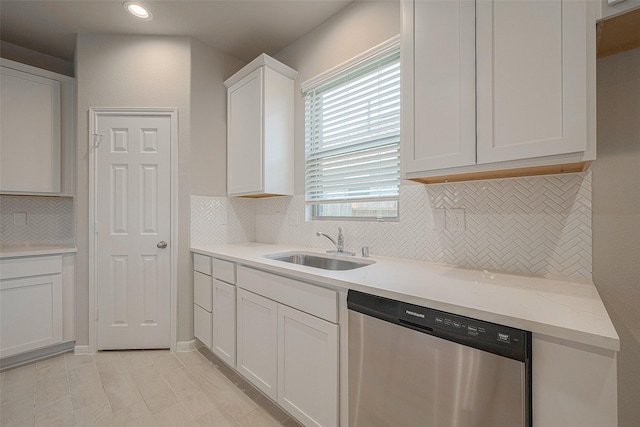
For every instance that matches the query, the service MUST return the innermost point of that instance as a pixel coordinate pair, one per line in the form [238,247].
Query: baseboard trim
[80,350]
[183,346]
[35,355]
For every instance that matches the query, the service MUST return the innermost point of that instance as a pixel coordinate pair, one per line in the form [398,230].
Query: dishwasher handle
[416,326]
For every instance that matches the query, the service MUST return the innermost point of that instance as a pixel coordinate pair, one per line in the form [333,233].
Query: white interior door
[133,229]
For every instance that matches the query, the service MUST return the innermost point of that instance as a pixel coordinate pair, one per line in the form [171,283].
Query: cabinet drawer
[202,264]
[202,290]
[30,266]
[224,270]
[202,325]
[315,300]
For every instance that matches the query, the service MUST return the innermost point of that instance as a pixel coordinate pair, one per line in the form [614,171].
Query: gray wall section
[357,28]
[132,71]
[152,71]
[208,164]
[616,217]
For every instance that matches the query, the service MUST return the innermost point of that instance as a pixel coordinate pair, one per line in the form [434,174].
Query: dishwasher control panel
[499,339]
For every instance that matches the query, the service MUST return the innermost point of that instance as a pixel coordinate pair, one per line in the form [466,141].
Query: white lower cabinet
[307,367]
[30,304]
[214,308]
[258,341]
[202,316]
[224,322]
[289,354]
[202,325]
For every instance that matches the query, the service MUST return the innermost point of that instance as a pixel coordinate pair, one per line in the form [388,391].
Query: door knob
[162,244]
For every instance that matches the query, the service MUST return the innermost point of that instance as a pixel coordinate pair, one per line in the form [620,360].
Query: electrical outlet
[224,217]
[438,223]
[456,220]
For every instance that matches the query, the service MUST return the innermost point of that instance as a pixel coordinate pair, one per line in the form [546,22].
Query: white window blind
[352,135]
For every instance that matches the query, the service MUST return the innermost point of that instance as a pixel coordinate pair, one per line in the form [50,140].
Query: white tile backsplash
[535,225]
[34,220]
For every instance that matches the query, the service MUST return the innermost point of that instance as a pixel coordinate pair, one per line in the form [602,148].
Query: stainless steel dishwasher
[415,366]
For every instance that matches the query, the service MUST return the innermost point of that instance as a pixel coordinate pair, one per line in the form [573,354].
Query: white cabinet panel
[202,325]
[30,132]
[244,122]
[574,385]
[202,264]
[497,88]
[30,313]
[257,341]
[224,322]
[316,300]
[307,367]
[30,266]
[532,79]
[260,129]
[202,285]
[439,110]
[224,270]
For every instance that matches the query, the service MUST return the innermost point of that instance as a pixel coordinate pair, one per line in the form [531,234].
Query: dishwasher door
[401,377]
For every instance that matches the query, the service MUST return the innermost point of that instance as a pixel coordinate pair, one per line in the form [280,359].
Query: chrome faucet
[339,244]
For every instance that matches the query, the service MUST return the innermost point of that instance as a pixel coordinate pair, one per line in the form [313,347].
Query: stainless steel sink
[319,261]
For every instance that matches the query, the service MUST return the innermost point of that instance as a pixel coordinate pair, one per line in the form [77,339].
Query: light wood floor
[132,388]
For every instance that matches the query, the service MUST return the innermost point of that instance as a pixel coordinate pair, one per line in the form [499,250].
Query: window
[352,140]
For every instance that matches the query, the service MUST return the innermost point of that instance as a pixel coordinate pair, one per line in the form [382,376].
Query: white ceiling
[243,28]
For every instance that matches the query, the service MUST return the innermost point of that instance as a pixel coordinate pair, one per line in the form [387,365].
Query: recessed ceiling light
[137,10]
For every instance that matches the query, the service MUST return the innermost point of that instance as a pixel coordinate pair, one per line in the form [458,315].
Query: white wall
[132,71]
[616,217]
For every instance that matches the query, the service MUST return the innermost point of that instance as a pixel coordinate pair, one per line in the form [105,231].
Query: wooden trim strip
[618,34]
[507,173]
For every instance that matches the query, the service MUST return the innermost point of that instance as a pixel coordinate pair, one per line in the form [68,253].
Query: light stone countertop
[14,251]
[561,309]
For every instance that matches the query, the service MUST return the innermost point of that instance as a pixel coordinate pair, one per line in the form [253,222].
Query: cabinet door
[245,135]
[30,132]
[202,325]
[438,98]
[532,78]
[30,313]
[224,321]
[257,341]
[202,290]
[307,367]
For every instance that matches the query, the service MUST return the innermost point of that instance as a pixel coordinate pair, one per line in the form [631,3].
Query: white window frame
[390,45]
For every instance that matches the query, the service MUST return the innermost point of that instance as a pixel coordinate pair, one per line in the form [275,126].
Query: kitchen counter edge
[26,251]
[561,315]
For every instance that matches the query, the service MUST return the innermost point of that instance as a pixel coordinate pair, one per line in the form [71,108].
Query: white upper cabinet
[37,130]
[497,88]
[438,62]
[260,129]
[532,79]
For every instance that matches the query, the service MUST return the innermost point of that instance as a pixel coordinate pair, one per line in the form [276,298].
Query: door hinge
[97,139]
[97,313]
[97,227]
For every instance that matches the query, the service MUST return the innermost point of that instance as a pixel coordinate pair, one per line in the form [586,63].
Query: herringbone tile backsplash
[538,225]
[49,220]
